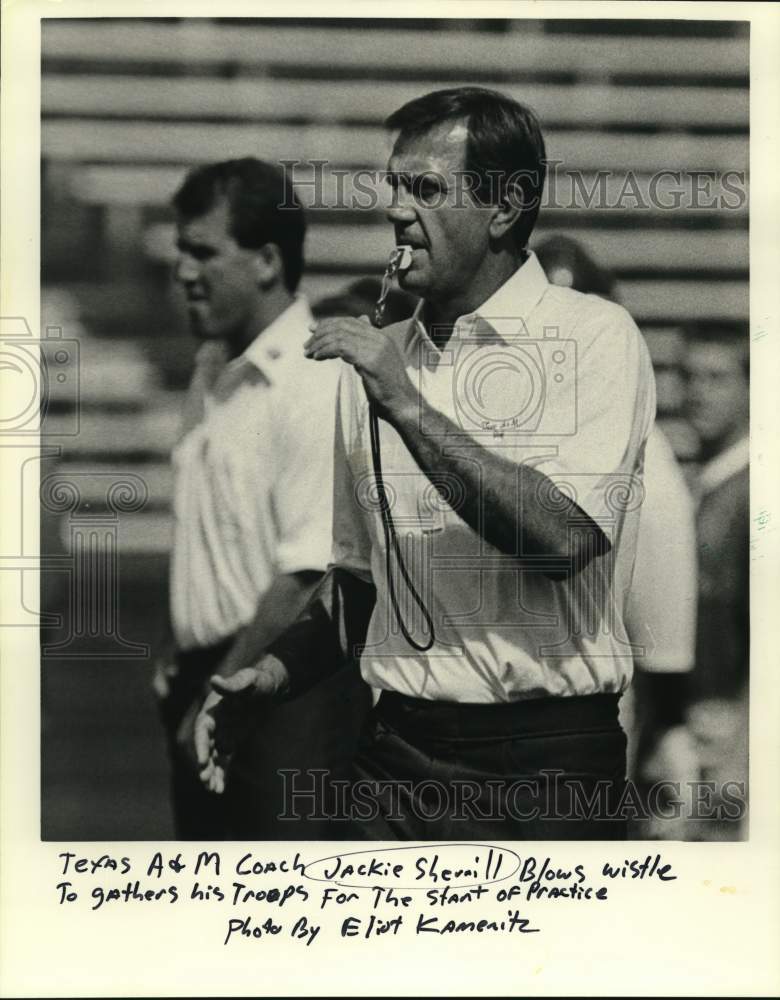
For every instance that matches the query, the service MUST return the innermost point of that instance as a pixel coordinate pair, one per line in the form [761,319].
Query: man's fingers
[204,737]
[357,333]
[216,779]
[330,345]
[222,720]
[238,683]
[361,354]
[349,324]
[333,338]
[324,352]
[222,685]
[213,775]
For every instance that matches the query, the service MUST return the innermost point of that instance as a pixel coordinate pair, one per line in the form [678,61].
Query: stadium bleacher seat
[129,104]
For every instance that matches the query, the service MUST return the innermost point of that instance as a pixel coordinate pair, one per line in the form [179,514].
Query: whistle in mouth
[404,257]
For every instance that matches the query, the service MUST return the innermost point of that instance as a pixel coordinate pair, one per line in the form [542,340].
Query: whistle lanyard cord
[379,308]
[392,546]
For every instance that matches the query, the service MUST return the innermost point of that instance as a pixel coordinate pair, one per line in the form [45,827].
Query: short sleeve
[351,539]
[303,486]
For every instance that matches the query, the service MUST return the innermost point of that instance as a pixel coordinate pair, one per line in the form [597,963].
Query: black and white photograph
[384,467]
[549,580]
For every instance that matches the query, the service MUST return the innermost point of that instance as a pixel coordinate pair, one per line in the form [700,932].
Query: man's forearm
[496,491]
[276,610]
[328,634]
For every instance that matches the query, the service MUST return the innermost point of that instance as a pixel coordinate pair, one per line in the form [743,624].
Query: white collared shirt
[544,376]
[253,482]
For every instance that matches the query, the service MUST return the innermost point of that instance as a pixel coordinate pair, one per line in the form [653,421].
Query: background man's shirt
[723,534]
[545,376]
[253,482]
[661,610]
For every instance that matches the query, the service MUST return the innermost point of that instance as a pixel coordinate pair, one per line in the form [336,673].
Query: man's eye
[202,253]
[427,190]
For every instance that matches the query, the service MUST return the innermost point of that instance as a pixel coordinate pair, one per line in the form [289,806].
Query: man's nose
[187,270]
[401,208]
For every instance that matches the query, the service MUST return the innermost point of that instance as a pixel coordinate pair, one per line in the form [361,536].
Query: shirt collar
[504,314]
[281,341]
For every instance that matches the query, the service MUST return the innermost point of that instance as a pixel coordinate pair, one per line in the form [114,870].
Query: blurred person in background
[661,620]
[252,494]
[717,372]
[661,611]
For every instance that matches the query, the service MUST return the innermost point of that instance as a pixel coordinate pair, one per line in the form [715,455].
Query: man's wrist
[405,414]
[227,667]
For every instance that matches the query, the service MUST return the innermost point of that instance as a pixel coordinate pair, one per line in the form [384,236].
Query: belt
[532,716]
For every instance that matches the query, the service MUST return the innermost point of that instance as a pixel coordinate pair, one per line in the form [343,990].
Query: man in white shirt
[252,488]
[513,421]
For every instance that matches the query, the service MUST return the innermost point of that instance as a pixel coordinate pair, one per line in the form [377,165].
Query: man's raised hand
[372,353]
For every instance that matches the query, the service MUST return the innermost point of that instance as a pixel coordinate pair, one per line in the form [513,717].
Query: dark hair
[255,192]
[504,141]
[565,254]
[729,334]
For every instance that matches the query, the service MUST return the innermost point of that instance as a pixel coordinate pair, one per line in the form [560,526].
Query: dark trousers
[283,780]
[542,769]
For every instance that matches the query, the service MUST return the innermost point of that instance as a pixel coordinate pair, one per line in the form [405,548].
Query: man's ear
[508,209]
[269,265]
